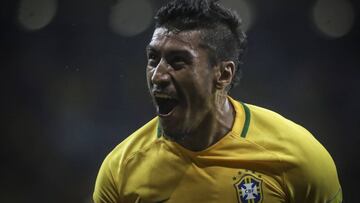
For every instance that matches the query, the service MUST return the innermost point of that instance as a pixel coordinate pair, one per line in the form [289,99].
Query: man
[204,146]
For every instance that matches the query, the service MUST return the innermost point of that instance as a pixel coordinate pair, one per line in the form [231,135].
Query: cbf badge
[249,189]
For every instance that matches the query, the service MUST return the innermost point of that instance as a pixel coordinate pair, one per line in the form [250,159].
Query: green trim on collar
[243,133]
[159,130]
[247,121]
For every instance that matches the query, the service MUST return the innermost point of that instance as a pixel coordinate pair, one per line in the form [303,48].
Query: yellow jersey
[264,158]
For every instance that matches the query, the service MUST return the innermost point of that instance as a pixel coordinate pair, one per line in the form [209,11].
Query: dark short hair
[220,28]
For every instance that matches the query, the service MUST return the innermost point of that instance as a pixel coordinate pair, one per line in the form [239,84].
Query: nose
[161,77]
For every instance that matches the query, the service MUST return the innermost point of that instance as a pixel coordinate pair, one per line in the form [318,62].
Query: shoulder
[137,141]
[268,128]
[107,185]
[307,167]
[268,120]
[293,143]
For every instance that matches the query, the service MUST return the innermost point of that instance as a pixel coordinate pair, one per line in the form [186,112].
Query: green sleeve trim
[247,121]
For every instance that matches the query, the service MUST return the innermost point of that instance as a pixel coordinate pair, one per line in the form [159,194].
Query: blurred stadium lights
[333,18]
[36,14]
[131,17]
[245,10]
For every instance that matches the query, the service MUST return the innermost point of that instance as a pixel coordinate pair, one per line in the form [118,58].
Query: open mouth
[166,105]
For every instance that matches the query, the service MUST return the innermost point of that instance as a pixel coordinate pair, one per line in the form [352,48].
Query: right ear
[224,74]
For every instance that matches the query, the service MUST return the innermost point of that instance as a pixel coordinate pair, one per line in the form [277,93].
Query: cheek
[149,73]
[203,81]
[195,86]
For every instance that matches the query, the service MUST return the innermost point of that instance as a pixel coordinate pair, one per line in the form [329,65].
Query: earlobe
[224,74]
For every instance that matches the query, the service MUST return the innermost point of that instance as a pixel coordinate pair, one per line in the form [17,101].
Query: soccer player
[205,146]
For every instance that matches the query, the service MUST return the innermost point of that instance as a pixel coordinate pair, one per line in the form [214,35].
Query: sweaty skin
[178,67]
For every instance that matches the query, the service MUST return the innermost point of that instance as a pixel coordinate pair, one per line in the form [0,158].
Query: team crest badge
[249,189]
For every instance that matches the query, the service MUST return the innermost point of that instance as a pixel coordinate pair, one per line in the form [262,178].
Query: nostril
[161,79]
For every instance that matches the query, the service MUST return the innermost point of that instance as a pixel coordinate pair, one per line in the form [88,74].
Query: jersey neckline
[240,128]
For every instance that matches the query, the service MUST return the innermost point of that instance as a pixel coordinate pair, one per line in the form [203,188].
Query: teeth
[163,96]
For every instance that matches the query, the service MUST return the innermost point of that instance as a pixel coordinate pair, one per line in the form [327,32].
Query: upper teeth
[163,96]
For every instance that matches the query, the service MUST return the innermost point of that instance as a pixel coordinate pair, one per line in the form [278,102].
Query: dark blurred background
[73,84]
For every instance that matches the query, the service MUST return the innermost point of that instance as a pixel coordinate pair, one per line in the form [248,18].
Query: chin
[174,132]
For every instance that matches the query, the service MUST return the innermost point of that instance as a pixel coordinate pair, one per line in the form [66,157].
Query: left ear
[224,74]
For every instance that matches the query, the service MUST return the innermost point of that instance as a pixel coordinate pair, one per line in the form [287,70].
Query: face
[180,81]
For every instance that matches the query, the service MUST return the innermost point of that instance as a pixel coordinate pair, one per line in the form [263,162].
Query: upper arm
[315,180]
[105,187]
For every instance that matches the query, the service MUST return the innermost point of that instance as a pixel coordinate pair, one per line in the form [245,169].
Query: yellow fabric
[283,158]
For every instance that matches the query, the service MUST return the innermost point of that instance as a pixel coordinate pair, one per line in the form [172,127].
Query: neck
[216,124]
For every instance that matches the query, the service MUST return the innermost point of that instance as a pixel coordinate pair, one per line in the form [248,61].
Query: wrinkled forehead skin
[188,38]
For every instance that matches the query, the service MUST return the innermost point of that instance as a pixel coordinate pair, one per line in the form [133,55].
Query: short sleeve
[105,188]
[314,180]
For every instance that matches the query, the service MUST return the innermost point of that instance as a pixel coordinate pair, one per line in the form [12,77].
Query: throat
[210,131]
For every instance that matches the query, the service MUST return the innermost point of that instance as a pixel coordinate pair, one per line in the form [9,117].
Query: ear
[224,74]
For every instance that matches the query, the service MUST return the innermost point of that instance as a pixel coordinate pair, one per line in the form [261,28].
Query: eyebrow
[181,52]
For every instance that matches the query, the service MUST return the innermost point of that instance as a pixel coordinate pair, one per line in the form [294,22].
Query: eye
[151,56]
[178,62]
[153,59]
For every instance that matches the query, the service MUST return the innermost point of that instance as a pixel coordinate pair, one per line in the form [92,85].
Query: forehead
[164,38]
